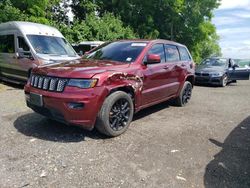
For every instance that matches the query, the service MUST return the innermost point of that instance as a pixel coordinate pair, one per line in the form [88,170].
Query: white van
[25,45]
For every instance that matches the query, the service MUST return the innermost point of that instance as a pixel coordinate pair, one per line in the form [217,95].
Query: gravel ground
[205,144]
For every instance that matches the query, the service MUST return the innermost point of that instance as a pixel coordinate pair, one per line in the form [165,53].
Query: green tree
[82,8]
[178,20]
[9,12]
[184,21]
[105,28]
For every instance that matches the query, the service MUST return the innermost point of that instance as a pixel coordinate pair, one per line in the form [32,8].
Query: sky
[232,20]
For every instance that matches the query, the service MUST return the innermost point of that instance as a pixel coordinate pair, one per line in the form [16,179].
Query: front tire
[224,81]
[185,95]
[116,114]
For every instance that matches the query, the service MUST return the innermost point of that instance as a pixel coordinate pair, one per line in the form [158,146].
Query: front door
[25,61]
[238,73]
[155,77]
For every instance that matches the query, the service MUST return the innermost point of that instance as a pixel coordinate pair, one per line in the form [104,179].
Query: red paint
[151,84]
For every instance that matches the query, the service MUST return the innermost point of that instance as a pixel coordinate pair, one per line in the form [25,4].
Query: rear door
[175,69]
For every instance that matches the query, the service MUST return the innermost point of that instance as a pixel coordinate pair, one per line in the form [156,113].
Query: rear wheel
[185,94]
[116,114]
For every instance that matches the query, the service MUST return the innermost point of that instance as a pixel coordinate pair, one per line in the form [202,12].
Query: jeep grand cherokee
[111,83]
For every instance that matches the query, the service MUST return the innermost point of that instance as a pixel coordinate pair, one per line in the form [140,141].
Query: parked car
[219,71]
[25,45]
[86,46]
[112,83]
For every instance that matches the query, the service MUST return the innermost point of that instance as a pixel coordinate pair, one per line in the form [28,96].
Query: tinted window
[7,44]
[118,51]
[159,50]
[22,44]
[172,53]
[184,54]
[220,62]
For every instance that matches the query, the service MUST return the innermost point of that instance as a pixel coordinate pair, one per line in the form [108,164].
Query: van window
[22,44]
[7,44]
[184,54]
[158,49]
[172,53]
[51,45]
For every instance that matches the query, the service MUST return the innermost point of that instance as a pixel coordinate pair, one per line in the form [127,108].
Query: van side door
[7,54]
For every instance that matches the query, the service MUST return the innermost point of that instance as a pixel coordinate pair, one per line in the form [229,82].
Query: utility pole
[172,30]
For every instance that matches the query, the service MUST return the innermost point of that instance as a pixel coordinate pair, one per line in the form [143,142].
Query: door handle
[180,65]
[166,67]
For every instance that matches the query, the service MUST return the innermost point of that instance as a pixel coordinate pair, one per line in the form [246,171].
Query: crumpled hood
[209,69]
[79,68]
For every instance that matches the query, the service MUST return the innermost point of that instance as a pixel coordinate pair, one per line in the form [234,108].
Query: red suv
[111,83]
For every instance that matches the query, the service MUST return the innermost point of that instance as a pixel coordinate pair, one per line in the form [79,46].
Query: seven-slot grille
[48,83]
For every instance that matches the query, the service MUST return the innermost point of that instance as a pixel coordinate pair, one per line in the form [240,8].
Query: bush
[105,28]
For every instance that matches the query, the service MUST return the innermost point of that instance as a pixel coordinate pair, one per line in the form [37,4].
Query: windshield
[215,62]
[51,45]
[118,51]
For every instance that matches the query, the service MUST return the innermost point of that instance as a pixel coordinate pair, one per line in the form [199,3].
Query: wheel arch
[191,79]
[125,88]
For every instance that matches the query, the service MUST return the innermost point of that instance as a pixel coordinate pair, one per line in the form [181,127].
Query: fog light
[76,105]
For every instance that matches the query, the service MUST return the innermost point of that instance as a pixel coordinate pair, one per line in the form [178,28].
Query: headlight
[217,74]
[82,83]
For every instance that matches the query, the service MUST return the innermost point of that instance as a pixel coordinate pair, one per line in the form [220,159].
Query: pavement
[204,144]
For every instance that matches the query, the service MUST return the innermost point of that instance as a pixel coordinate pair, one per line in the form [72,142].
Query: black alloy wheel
[186,95]
[119,114]
[115,114]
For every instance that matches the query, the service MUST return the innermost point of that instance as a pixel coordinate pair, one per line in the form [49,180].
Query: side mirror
[87,53]
[152,59]
[24,54]
[235,66]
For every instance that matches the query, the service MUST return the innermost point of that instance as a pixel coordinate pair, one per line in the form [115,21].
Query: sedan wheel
[224,81]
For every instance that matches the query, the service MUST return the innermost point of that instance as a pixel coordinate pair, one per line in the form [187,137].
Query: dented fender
[118,80]
[135,81]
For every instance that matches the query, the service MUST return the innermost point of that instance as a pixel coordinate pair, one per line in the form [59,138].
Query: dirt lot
[205,144]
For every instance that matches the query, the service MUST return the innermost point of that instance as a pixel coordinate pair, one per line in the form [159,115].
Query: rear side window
[184,54]
[7,44]
[158,49]
[22,44]
[172,53]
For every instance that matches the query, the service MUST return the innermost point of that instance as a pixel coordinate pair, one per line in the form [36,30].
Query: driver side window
[158,49]
[22,44]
